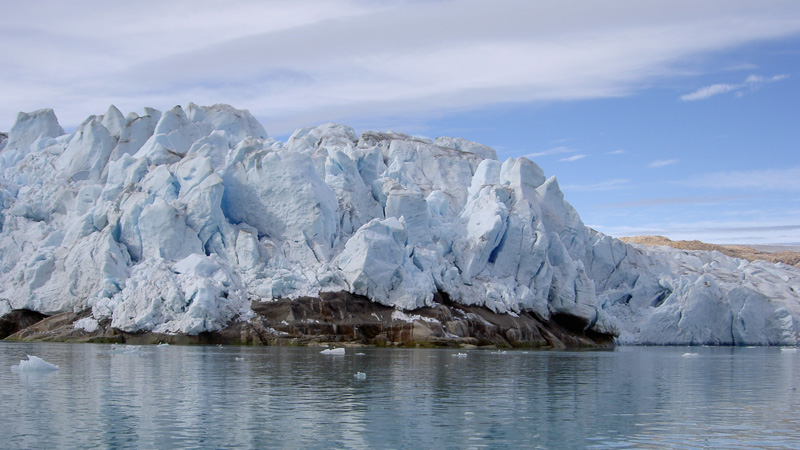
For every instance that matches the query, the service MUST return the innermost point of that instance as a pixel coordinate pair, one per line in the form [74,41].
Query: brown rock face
[344,318]
[736,251]
[18,319]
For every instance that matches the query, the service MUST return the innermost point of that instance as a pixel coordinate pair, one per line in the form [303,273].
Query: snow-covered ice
[87,324]
[175,222]
[34,364]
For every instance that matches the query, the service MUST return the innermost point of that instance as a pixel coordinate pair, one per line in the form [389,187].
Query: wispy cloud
[752,79]
[787,180]
[573,158]
[662,163]
[739,67]
[300,62]
[751,82]
[710,91]
[608,185]
[714,232]
[703,200]
[549,152]
[616,152]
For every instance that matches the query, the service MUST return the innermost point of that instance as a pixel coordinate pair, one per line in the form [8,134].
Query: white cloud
[573,158]
[787,180]
[760,79]
[549,152]
[608,185]
[297,62]
[616,152]
[662,163]
[705,200]
[710,91]
[752,82]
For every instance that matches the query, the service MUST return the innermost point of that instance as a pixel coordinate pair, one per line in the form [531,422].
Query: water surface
[281,397]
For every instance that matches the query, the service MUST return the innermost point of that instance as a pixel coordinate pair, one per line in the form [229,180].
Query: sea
[153,397]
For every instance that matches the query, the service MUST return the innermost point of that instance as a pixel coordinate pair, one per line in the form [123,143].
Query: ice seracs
[175,222]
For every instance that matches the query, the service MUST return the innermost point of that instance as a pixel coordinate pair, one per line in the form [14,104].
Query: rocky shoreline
[336,318]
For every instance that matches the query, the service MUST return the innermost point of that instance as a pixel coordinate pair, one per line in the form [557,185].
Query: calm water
[278,397]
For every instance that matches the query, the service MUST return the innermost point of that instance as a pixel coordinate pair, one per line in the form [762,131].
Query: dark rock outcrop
[345,318]
[18,319]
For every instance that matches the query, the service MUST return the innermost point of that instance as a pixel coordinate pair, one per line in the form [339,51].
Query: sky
[679,118]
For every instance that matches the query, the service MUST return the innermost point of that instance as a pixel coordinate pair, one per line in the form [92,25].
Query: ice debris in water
[129,349]
[690,355]
[360,376]
[333,351]
[460,355]
[173,222]
[34,364]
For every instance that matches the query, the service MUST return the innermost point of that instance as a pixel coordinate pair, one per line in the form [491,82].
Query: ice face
[174,222]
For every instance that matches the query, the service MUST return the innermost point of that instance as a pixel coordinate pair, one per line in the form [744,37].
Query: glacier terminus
[185,221]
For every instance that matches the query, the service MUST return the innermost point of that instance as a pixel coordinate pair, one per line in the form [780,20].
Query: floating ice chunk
[129,349]
[360,376]
[460,355]
[87,324]
[690,355]
[333,351]
[34,364]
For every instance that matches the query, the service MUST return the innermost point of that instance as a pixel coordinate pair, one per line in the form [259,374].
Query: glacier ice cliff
[179,222]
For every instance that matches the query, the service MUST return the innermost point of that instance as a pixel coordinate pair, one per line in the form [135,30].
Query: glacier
[179,221]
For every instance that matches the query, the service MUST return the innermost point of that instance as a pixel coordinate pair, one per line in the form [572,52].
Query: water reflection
[159,397]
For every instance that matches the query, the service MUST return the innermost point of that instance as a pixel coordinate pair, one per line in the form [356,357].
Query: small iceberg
[333,351]
[460,355]
[690,355]
[34,364]
[115,348]
[360,376]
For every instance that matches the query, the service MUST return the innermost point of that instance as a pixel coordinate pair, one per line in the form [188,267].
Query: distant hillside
[735,251]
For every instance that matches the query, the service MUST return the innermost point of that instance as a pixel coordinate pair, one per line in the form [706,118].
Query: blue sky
[678,118]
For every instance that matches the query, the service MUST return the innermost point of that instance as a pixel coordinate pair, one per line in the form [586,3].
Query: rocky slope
[789,257]
[186,222]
